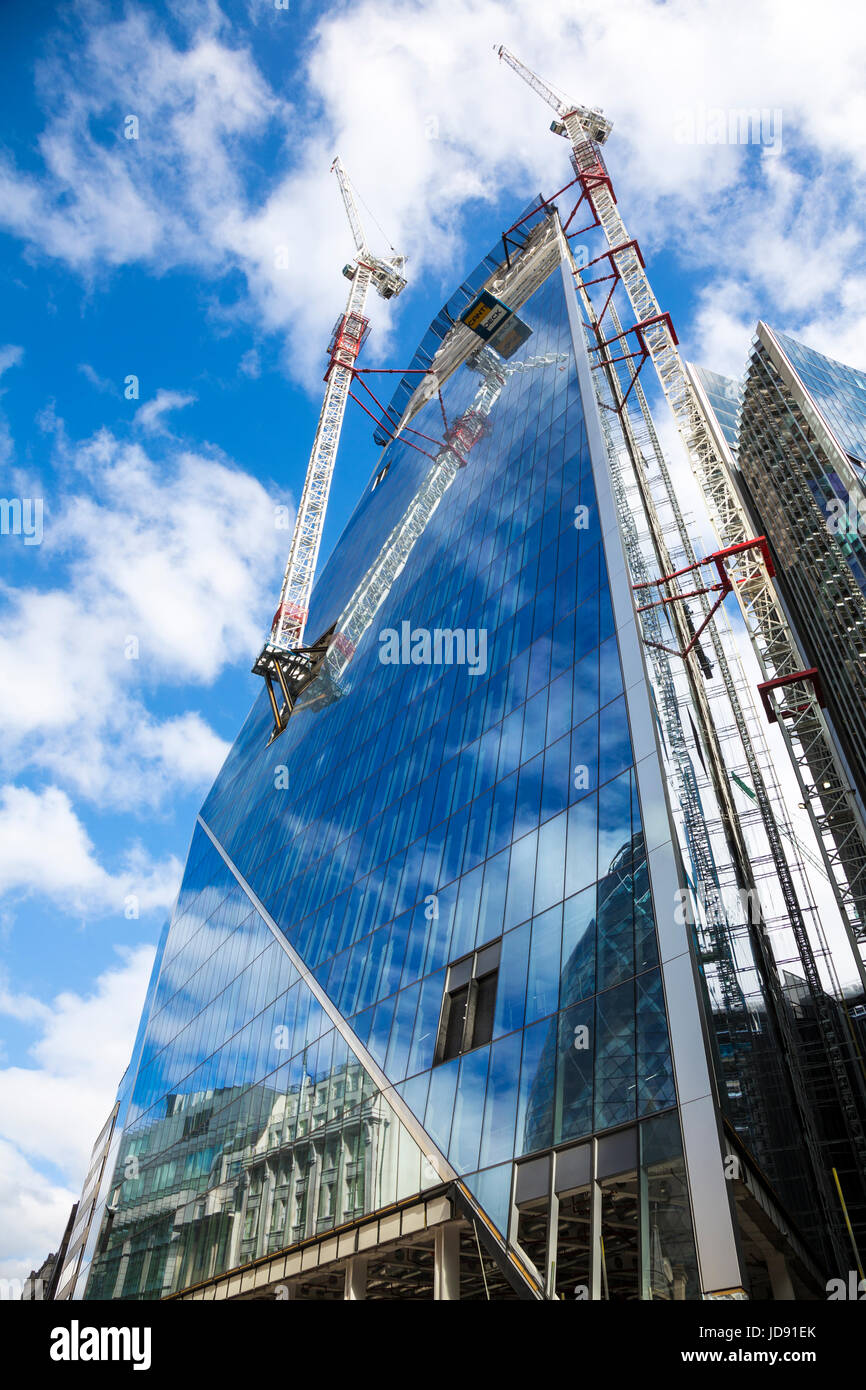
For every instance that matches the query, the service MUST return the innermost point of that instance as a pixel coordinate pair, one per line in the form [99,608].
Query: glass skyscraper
[796,445]
[426,1021]
[724,394]
[800,446]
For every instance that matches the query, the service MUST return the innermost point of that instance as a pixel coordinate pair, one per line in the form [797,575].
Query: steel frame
[810,744]
[752,582]
[723,587]
[701,852]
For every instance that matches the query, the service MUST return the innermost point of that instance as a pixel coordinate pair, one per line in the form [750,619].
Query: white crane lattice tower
[788,691]
[385,274]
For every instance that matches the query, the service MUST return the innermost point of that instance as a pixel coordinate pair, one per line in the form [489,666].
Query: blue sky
[158,257]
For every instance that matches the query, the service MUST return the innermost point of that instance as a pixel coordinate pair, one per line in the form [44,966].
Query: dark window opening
[455,1009]
[485,1003]
[469,1004]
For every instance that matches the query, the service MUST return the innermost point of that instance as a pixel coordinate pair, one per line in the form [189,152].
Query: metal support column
[446,1261]
[356,1278]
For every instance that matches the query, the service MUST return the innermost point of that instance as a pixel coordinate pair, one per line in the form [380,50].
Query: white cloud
[100,383]
[103,197]
[10,356]
[149,416]
[250,364]
[384,76]
[25,1007]
[34,1211]
[186,745]
[52,1111]
[723,326]
[163,573]
[68,872]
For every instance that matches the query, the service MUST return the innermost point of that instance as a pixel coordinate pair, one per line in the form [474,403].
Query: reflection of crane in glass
[460,438]
[328,657]
[284,652]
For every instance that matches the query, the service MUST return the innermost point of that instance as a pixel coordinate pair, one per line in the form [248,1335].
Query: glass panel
[655,1080]
[574,1072]
[620,1263]
[582,852]
[614,823]
[537,1072]
[492,911]
[615,1084]
[585,687]
[511,990]
[469,1110]
[401,1033]
[578,948]
[669,1259]
[573,1247]
[493,1190]
[521,881]
[440,1103]
[584,759]
[466,913]
[426,1023]
[551,863]
[615,934]
[497,1139]
[610,673]
[542,993]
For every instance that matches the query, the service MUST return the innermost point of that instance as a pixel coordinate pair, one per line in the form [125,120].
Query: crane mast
[788,691]
[349,333]
[791,698]
[284,659]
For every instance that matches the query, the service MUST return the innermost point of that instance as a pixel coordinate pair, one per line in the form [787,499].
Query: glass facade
[799,434]
[838,391]
[724,394]
[839,394]
[807,497]
[419,921]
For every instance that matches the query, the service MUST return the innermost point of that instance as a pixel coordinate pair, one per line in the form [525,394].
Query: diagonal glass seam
[434,1156]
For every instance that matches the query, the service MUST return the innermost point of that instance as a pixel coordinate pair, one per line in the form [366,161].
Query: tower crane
[791,697]
[797,706]
[590,118]
[320,669]
[283,657]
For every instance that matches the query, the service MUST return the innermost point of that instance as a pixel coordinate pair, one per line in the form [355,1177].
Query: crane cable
[371,215]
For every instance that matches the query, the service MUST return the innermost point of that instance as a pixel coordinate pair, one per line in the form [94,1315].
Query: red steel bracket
[723,587]
[811,675]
